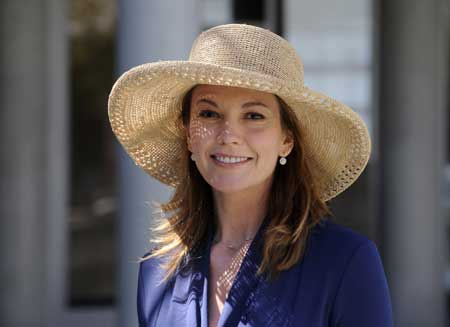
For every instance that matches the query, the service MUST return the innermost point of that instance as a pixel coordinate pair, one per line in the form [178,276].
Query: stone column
[413,137]
[33,161]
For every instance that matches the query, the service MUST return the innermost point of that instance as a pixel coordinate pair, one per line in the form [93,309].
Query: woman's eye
[255,116]
[208,114]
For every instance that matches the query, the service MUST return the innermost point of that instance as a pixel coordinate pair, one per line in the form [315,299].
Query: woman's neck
[240,214]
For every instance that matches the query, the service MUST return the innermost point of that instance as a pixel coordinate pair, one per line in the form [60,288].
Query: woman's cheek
[266,143]
[200,134]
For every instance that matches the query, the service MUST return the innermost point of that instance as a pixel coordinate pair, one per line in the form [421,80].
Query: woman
[253,156]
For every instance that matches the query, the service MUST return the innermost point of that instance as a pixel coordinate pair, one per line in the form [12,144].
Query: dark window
[93,192]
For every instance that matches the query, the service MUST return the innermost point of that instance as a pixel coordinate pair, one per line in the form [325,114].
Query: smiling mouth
[230,159]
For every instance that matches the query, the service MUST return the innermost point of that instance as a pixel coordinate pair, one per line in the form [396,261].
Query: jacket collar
[191,285]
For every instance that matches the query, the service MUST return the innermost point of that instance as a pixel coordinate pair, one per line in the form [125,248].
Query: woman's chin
[227,186]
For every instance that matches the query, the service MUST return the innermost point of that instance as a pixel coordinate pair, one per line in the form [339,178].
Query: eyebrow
[212,103]
[245,105]
[253,103]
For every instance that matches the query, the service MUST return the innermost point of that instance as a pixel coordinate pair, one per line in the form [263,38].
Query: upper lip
[220,154]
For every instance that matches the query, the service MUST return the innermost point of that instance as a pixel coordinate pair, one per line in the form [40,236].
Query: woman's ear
[287,145]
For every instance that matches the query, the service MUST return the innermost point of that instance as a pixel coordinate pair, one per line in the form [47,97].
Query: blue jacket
[340,282]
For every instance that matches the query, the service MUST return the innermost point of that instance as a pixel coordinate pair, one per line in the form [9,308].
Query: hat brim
[145,104]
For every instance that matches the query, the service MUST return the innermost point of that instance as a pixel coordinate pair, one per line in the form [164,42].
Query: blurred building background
[75,211]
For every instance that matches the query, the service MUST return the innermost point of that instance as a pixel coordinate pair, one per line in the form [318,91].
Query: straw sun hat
[145,103]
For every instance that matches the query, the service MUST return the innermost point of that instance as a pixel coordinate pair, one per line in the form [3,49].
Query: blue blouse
[340,282]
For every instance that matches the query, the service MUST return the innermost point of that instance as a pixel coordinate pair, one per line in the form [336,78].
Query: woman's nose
[228,134]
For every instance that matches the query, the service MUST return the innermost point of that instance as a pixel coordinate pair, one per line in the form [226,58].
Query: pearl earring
[283,161]
[192,157]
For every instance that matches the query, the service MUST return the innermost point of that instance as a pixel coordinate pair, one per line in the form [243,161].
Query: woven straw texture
[145,103]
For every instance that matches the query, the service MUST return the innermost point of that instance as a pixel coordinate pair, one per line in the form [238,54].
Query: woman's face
[236,136]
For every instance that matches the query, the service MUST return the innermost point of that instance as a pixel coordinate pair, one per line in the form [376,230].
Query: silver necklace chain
[231,246]
[226,279]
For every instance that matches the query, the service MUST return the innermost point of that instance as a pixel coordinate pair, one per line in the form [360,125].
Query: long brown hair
[294,207]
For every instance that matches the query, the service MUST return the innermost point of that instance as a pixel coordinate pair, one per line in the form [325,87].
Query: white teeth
[230,159]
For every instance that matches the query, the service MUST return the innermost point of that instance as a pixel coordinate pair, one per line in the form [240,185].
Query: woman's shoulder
[338,275]
[152,272]
[334,246]
[152,267]
[329,234]
[151,288]
[352,267]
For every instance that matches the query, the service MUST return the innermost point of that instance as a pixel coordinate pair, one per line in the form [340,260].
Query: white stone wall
[334,40]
